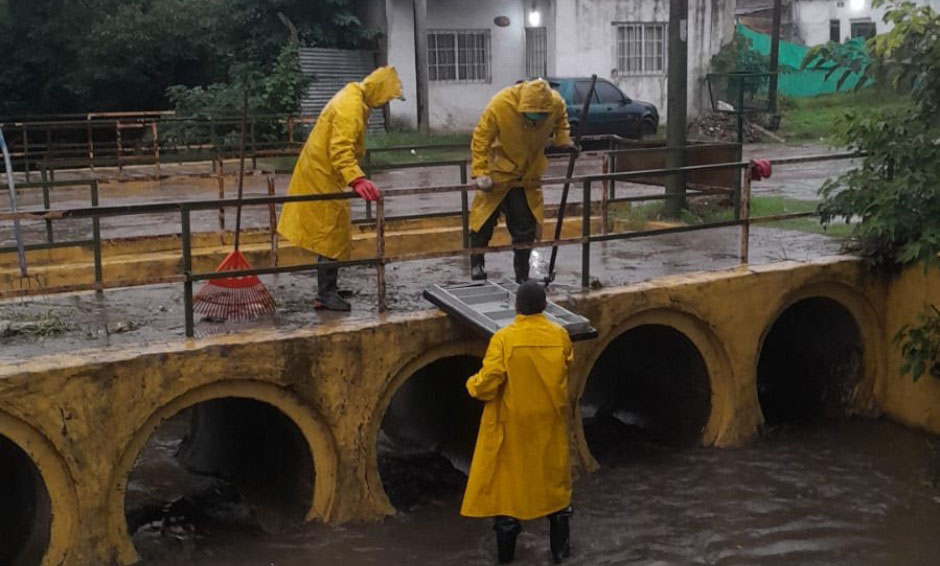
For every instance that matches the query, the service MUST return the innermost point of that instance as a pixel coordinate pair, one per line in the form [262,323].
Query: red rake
[235,297]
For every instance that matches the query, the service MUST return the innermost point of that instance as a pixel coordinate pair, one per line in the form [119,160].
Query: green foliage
[920,346]
[739,56]
[847,59]
[79,56]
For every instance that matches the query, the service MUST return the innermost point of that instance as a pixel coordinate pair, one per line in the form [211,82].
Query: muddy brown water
[836,492]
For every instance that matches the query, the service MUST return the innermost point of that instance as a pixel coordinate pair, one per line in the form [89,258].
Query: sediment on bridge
[25,508]
[811,362]
[428,433]
[220,466]
[649,386]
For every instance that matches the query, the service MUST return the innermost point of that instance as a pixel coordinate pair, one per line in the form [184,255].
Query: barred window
[641,49]
[459,56]
[536,52]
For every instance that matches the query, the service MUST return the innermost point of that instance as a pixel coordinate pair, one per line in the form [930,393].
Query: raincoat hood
[382,85]
[536,96]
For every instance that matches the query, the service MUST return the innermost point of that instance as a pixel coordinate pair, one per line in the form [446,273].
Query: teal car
[611,112]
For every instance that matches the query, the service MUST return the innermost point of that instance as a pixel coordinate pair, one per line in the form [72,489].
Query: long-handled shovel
[564,193]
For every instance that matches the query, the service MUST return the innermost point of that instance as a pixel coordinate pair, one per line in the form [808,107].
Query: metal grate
[536,52]
[459,56]
[489,306]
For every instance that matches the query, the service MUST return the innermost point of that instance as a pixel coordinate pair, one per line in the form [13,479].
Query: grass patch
[637,216]
[820,118]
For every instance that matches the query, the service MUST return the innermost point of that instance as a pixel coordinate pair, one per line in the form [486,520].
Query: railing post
[464,207]
[187,271]
[46,204]
[745,213]
[273,221]
[96,236]
[585,234]
[367,168]
[156,146]
[25,152]
[380,251]
[91,146]
[254,145]
[117,137]
[605,204]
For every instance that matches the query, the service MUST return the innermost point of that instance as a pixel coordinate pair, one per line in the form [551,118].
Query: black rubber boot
[327,291]
[507,529]
[520,263]
[559,535]
[477,273]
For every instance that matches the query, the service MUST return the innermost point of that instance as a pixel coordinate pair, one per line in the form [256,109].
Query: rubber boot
[559,535]
[507,529]
[327,293]
[520,263]
[477,273]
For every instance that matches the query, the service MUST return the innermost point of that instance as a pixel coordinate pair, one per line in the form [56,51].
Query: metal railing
[588,183]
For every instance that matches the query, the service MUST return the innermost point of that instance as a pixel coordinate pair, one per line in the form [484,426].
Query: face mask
[535,116]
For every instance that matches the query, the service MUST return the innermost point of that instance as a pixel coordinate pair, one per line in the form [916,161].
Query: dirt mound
[723,127]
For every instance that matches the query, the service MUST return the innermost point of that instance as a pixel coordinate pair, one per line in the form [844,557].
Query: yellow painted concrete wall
[84,417]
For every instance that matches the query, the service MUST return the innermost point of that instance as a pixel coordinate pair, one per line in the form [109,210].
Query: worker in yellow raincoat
[329,163]
[508,162]
[521,467]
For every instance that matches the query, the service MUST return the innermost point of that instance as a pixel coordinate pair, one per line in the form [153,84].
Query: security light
[535,18]
[857,5]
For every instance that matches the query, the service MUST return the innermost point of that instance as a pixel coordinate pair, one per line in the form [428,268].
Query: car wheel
[647,128]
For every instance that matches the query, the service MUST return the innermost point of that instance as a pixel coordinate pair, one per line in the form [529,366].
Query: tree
[895,193]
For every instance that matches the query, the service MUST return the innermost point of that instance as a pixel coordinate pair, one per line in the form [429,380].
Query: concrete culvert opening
[428,434]
[810,363]
[25,508]
[650,386]
[219,467]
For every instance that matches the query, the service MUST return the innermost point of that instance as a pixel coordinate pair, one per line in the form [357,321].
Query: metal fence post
[745,213]
[187,271]
[96,236]
[156,146]
[464,208]
[254,145]
[273,221]
[367,168]
[221,180]
[25,152]
[380,251]
[46,204]
[585,234]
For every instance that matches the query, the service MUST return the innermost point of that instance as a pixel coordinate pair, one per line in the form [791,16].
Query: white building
[477,47]
[814,22]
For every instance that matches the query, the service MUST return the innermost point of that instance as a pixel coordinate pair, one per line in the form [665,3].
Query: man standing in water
[329,163]
[508,150]
[521,467]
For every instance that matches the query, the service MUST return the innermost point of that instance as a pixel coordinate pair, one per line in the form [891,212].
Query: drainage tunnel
[25,509]
[650,385]
[811,362]
[428,434]
[221,466]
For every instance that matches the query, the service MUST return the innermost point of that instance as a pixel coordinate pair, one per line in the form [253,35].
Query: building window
[641,49]
[835,31]
[459,56]
[863,28]
[536,52]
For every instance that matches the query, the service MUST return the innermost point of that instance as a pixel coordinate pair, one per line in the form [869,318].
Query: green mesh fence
[793,81]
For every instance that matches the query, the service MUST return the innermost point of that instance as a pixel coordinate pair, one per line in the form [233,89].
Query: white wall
[400,38]
[587,43]
[811,18]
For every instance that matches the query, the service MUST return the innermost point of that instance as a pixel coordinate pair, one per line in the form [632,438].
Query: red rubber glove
[760,169]
[365,188]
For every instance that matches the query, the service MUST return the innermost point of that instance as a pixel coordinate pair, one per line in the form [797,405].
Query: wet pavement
[833,493]
[152,314]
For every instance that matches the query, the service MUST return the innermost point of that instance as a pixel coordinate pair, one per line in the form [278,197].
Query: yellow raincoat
[329,162]
[521,465]
[510,151]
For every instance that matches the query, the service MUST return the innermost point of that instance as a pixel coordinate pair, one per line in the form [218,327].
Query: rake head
[233,297]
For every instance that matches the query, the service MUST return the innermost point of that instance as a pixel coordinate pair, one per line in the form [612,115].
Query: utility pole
[774,55]
[421,63]
[677,104]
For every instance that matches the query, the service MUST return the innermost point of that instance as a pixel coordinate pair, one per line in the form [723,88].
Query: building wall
[587,43]
[582,39]
[812,18]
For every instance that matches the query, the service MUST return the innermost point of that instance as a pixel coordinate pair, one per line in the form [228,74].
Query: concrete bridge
[703,359]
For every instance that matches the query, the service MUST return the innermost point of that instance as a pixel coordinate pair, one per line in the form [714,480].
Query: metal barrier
[588,183]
